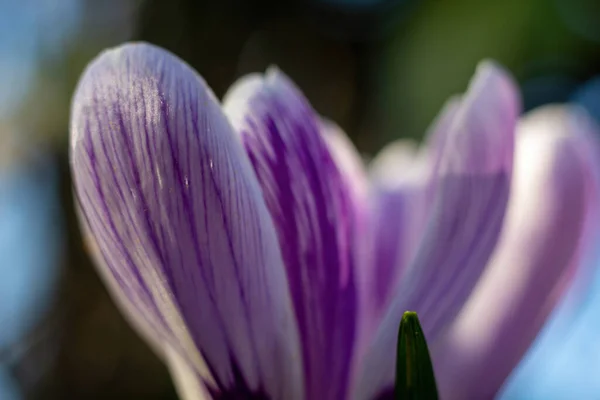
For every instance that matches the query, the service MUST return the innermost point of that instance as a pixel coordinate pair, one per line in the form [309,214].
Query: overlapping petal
[348,161]
[313,208]
[182,230]
[552,216]
[471,188]
[397,215]
[400,203]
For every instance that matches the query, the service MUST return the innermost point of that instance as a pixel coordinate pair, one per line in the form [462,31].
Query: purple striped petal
[401,200]
[471,187]
[553,209]
[184,236]
[347,159]
[313,212]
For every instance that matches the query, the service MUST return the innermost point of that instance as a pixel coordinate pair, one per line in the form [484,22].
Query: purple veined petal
[347,158]
[185,241]
[313,210]
[555,191]
[472,180]
[191,382]
[148,326]
[352,169]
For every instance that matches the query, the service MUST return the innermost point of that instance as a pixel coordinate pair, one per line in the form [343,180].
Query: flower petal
[313,210]
[397,217]
[470,192]
[347,159]
[182,231]
[400,203]
[555,192]
[187,382]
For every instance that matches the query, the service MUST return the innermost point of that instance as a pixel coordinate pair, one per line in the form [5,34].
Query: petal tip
[102,71]
[401,163]
[491,75]
[274,71]
[280,81]
[238,95]
[489,66]
[484,128]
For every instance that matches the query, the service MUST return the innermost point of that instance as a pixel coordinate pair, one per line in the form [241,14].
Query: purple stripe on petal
[190,385]
[313,211]
[184,238]
[470,189]
[555,189]
[347,159]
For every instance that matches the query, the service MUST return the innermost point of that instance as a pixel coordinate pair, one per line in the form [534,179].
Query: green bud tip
[414,372]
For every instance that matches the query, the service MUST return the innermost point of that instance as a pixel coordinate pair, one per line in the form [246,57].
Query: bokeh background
[380,68]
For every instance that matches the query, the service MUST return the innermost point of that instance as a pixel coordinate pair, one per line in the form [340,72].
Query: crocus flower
[248,245]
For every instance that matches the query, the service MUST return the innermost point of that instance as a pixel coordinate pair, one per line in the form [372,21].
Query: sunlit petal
[543,242]
[182,230]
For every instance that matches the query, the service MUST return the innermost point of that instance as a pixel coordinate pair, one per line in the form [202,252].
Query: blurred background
[380,68]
